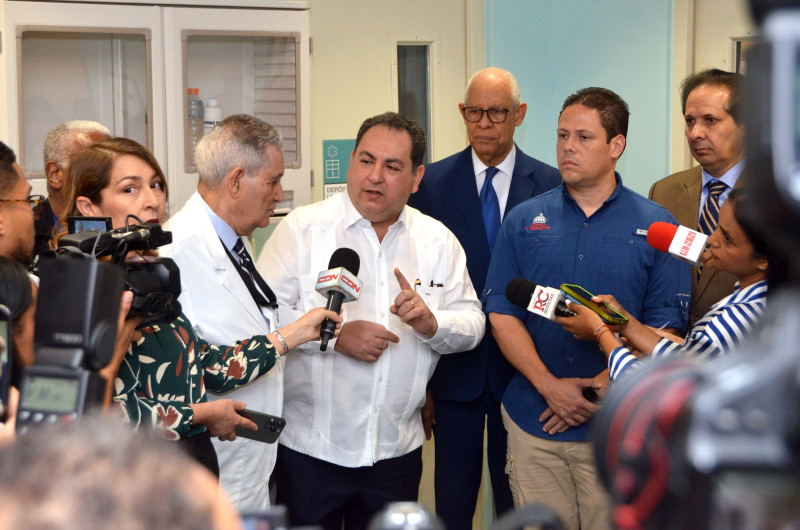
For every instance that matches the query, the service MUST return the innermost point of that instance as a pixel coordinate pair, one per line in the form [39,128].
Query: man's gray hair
[238,140]
[56,143]
[512,81]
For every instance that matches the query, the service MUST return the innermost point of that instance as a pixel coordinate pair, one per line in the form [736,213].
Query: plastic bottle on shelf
[213,115]
[196,116]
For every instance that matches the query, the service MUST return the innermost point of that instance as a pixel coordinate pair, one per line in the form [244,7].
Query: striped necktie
[491,207]
[710,214]
[709,217]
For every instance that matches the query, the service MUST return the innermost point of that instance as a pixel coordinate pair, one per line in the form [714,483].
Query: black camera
[154,281]
[76,317]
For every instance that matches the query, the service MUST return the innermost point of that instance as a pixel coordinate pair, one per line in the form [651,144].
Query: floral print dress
[170,367]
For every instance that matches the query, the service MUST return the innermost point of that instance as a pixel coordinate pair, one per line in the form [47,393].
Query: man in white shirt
[240,165]
[353,437]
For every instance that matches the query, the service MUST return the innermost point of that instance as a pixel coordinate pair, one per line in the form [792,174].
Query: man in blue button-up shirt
[589,231]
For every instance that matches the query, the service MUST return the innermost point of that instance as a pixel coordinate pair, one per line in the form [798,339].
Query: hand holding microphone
[546,302]
[339,284]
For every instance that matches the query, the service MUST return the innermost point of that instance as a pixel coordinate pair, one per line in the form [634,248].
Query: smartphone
[578,294]
[6,361]
[76,224]
[269,427]
[590,394]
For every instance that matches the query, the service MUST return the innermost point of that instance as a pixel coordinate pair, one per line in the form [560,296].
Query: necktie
[490,207]
[710,214]
[251,273]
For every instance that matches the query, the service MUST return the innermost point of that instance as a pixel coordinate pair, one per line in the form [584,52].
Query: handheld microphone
[679,241]
[546,302]
[340,284]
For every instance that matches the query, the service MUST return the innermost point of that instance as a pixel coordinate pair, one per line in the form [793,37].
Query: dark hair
[777,271]
[8,175]
[715,77]
[398,122]
[612,109]
[90,172]
[760,248]
[15,287]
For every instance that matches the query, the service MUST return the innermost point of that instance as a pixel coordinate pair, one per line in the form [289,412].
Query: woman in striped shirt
[732,248]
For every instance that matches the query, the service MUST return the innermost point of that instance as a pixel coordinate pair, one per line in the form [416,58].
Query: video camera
[717,445]
[76,317]
[155,281]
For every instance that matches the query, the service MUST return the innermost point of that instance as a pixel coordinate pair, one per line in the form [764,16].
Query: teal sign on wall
[336,160]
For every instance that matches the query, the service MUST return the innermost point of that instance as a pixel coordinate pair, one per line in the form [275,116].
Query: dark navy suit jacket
[448,193]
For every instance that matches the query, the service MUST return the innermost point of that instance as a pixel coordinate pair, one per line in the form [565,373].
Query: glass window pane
[81,76]
[413,89]
[254,75]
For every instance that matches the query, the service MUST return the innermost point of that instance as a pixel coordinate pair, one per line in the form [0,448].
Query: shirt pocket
[540,257]
[629,259]
[432,296]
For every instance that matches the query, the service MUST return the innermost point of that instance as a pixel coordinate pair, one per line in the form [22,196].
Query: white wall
[352,65]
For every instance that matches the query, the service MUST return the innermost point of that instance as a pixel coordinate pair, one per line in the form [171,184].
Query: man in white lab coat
[240,165]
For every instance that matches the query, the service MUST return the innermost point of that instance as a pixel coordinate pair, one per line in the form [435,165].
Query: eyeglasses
[474,114]
[32,200]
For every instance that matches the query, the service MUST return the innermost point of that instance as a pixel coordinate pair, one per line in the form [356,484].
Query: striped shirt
[717,333]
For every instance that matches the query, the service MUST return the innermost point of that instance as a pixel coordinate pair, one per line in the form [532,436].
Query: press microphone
[340,284]
[677,240]
[546,302]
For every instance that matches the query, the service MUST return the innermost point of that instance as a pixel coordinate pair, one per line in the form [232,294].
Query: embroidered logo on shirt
[539,223]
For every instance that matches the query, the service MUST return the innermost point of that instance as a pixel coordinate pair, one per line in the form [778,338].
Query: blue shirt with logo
[549,240]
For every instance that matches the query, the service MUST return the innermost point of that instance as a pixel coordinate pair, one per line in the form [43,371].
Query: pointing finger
[404,285]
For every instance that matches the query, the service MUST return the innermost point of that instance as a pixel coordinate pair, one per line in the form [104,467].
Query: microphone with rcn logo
[546,302]
[339,284]
[677,240]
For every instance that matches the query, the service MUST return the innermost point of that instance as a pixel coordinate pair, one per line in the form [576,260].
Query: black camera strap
[251,277]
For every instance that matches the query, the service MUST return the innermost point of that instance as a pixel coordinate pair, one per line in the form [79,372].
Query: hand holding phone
[269,427]
[580,295]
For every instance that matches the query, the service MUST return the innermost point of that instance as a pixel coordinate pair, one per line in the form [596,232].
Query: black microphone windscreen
[519,292]
[347,258]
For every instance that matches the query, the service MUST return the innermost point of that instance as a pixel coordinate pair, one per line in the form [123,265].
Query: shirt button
[580,256]
[586,225]
[380,254]
[380,379]
[319,435]
[571,360]
[381,284]
[383,315]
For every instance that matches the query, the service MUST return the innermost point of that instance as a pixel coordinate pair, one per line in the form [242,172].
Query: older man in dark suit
[715,134]
[470,192]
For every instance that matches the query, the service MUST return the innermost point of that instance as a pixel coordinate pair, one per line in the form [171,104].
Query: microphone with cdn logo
[339,284]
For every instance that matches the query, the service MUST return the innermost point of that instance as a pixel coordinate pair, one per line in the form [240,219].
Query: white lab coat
[221,310]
